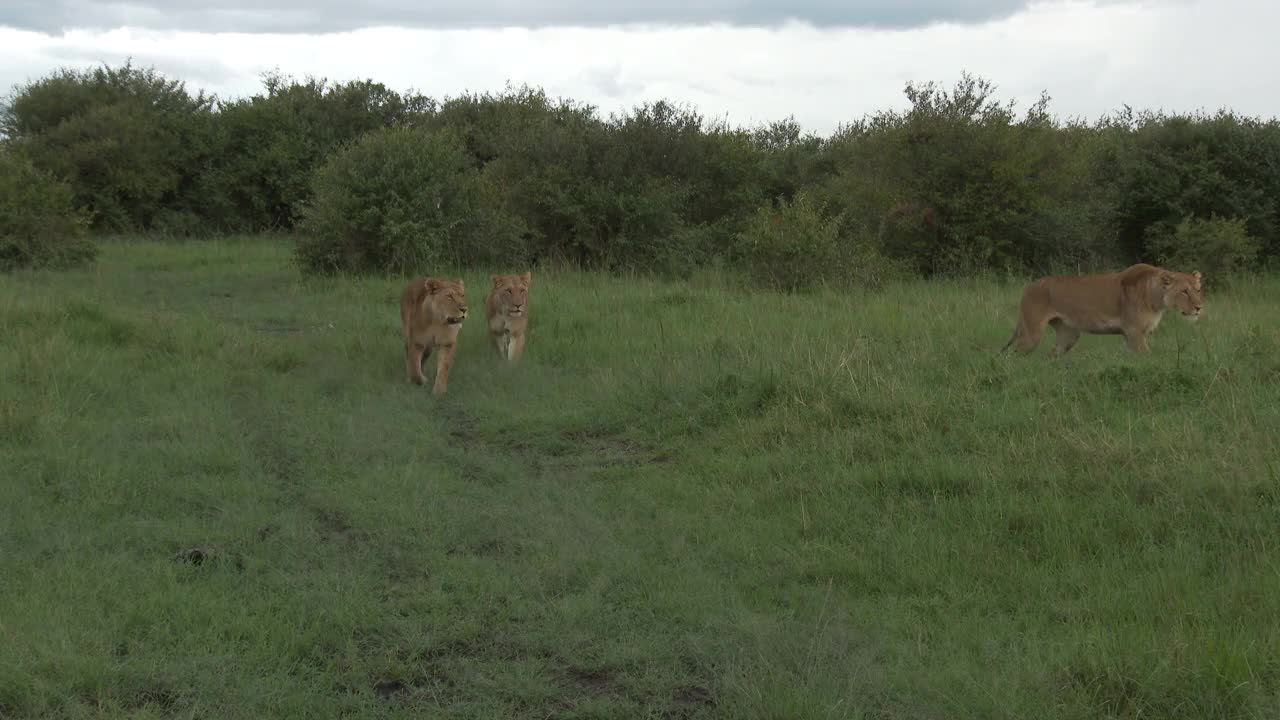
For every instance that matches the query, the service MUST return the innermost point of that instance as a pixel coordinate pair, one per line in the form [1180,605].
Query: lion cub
[431,314]
[507,311]
[1129,303]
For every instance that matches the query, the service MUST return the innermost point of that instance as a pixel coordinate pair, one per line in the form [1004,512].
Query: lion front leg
[443,364]
[1136,341]
[515,347]
[414,354]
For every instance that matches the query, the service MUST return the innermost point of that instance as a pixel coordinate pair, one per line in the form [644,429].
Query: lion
[507,311]
[1129,303]
[431,314]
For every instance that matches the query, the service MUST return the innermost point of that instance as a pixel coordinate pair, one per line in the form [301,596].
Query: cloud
[610,81]
[1092,59]
[195,72]
[320,16]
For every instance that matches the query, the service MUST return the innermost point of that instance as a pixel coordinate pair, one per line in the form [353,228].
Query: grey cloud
[196,73]
[303,16]
[609,83]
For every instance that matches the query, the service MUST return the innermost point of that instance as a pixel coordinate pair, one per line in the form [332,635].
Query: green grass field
[692,500]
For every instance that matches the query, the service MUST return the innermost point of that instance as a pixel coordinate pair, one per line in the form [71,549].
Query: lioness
[507,311]
[431,314]
[1130,303]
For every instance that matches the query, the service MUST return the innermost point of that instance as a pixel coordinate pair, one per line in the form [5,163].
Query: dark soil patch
[693,695]
[200,556]
[195,555]
[597,681]
[612,448]
[462,429]
[333,524]
[388,689]
[688,700]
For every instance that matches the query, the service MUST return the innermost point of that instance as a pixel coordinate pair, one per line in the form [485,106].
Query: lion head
[447,299]
[1181,291]
[511,294]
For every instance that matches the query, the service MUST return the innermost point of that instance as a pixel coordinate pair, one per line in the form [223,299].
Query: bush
[682,188]
[402,200]
[955,183]
[791,245]
[1217,247]
[128,140]
[277,139]
[958,184]
[647,230]
[1160,169]
[537,153]
[40,225]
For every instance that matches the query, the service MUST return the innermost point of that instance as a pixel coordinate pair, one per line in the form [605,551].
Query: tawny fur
[1129,303]
[506,312]
[431,314]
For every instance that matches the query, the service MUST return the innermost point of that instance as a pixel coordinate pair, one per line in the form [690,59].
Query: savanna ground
[220,498]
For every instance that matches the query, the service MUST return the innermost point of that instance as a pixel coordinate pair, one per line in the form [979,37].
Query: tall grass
[690,500]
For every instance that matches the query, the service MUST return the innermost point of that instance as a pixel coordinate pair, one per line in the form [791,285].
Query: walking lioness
[431,314]
[1130,303]
[507,311]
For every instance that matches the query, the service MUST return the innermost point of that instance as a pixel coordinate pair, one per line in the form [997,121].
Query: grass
[691,501]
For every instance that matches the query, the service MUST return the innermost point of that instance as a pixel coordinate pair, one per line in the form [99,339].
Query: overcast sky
[823,61]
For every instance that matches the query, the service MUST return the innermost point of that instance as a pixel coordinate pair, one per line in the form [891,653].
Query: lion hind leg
[1017,328]
[1026,336]
[1033,315]
[1066,336]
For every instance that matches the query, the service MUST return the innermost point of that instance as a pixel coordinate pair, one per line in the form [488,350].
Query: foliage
[537,154]
[1219,248]
[791,245]
[788,157]
[1160,169]
[40,225]
[402,200]
[958,182]
[274,141]
[126,139]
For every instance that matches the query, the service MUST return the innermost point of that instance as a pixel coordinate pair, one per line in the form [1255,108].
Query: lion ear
[1196,276]
[496,279]
[1166,279]
[431,285]
[527,277]
[461,285]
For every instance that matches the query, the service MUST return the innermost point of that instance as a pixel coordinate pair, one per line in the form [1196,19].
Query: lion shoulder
[412,295]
